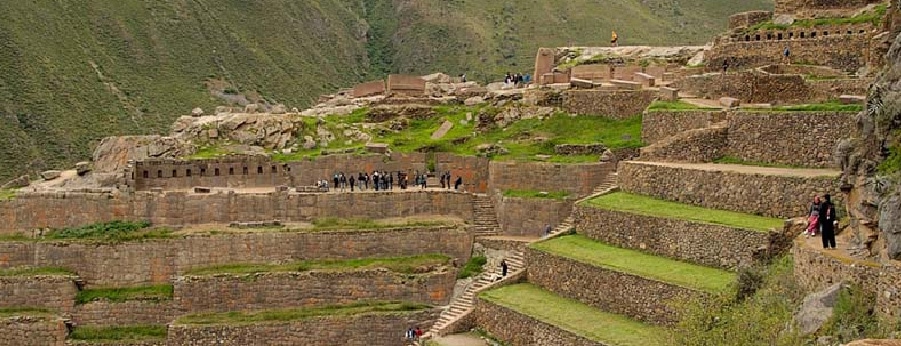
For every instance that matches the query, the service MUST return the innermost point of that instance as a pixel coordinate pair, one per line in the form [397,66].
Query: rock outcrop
[113,153]
[270,131]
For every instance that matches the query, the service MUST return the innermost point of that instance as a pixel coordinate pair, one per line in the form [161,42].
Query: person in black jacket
[827,222]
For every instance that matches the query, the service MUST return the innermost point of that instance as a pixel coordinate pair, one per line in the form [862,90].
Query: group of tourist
[822,217]
[516,80]
[413,334]
[383,181]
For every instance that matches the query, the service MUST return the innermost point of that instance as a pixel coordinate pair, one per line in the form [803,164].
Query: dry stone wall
[811,7]
[127,313]
[751,87]
[577,179]
[817,270]
[159,261]
[56,293]
[59,210]
[768,195]
[843,52]
[222,293]
[657,125]
[696,145]
[704,244]
[518,329]
[794,138]
[361,330]
[613,104]
[32,330]
[528,216]
[642,299]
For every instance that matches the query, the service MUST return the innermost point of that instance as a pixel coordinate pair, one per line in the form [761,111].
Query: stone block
[196,112]
[646,80]
[50,175]
[82,168]
[406,85]
[281,188]
[22,181]
[669,94]
[372,88]
[851,100]
[729,102]
[213,133]
[624,84]
[669,76]
[378,148]
[200,189]
[544,63]
[156,190]
[581,83]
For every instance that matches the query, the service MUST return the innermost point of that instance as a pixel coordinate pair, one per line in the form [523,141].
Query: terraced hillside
[105,67]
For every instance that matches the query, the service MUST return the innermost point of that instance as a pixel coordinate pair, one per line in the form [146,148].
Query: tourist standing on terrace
[458,183]
[725,65]
[503,268]
[827,222]
[787,55]
[351,183]
[614,39]
[813,216]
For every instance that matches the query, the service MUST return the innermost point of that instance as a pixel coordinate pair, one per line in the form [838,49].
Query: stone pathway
[748,169]
[484,216]
[461,340]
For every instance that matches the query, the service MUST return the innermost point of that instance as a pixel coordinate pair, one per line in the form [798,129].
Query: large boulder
[113,153]
[816,309]
[22,181]
[271,131]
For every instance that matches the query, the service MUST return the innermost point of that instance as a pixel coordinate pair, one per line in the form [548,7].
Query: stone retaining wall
[225,292]
[843,52]
[613,104]
[517,329]
[577,179]
[159,261]
[793,138]
[361,330]
[56,292]
[816,269]
[60,210]
[127,313]
[696,145]
[620,293]
[810,7]
[528,216]
[704,244]
[767,195]
[660,124]
[31,330]
[750,87]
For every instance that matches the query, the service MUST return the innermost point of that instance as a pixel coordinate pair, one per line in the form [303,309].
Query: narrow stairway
[465,303]
[483,215]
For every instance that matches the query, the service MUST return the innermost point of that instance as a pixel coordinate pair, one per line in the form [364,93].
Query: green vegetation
[114,231]
[29,271]
[404,265]
[30,311]
[873,17]
[575,317]
[831,106]
[677,105]
[330,223]
[583,249]
[558,195]
[122,294]
[119,333]
[302,313]
[649,206]
[737,161]
[7,194]
[473,267]
[15,237]
[892,164]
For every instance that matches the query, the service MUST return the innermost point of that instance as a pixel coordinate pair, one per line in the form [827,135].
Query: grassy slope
[585,250]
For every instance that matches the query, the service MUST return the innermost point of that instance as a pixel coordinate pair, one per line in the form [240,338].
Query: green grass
[140,332]
[892,164]
[820,107]
[7,194]
[557,195]
[677,105]
[586,250]
[873,17]
[404,265]
[649,206]
[29,271]
[208,152]
[473,267]
[28,311]
[575,317]
[15,237]
[301,313]
[329,223]
[114,231]
[122,294]
[737,161]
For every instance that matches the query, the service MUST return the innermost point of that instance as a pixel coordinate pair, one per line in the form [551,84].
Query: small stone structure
[405,85]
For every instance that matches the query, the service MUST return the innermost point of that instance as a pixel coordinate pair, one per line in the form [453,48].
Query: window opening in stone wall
[159,174]
[747,37]
[244,171]
[188,173]
[231,171]
[779,36]
[146,174]
[860,32]
[174,173]
[216,172]
[769,36]
[791,35]
[202,172]
[802,35]
[274,169]
[813,35]
[757,37]
[260,170]
[825,33]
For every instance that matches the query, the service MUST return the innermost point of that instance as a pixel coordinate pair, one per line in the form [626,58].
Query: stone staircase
[465,303]
[484,218]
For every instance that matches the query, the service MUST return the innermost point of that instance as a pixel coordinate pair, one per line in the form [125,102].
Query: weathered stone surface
[793,138]
[264,130]
[32,330]
[528,216]
[615,104]
[113,153]
[669,94]
[200,189]
[729,102]
[53,292]
[519,329]
[384,113]
[251,108]
[816,309]
[475,100]
[626,85]
[581,83]
[378,148]
[784,19]
[577,179]
[695,145]
[82,168]
[279,109]
[659,124]
[441,131]
[874,342]
[646,80]
[50,175]
[850,99]
[22,181]
[579,149]
[128,313]
[196,112]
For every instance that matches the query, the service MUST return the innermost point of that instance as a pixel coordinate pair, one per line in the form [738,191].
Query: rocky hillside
[101,67]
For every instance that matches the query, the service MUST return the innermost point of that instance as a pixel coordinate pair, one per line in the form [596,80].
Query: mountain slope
[74,72]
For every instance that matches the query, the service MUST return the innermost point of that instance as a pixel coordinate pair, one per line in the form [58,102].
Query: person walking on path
[813,215]
[614,39]
[547,230]
[827,220]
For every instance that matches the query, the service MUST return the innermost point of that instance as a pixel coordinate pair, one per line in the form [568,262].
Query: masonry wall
[528,216]
[809,7]
[127,313]
[608,290]
[768,195]
[696,145]
[56,293]
[59,210]
[657,125]
[221,293]
[613,104]
[159,261]
[844,52]
[577,179]
[517,329]
[704,244]
[793,138]
[816,270]
[750,87]
[32,330]
[360,330]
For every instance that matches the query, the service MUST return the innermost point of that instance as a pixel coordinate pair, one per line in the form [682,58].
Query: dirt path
[748,169]
[461,340]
